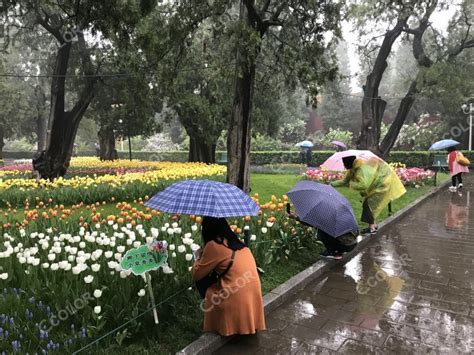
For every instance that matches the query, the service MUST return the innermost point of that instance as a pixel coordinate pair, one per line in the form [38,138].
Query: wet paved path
[409,291]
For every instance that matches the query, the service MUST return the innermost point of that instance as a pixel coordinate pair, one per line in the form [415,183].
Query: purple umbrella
[339,144]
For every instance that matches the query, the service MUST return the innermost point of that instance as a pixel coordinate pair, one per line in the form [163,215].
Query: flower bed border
[210,342]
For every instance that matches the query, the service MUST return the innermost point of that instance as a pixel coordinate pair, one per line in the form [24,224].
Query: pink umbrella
[339,144]
[334,162]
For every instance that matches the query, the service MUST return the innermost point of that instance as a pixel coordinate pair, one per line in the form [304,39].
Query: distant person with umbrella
[306,152]
[457,162]
[340,146]
[323,207]
[377,183]
[458,165]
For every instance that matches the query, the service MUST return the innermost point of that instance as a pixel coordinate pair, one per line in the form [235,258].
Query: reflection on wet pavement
[410,291]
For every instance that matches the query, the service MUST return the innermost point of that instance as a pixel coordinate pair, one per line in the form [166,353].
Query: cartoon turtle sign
[143,259]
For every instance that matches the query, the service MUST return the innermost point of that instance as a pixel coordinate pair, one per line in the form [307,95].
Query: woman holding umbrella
[457,163]
[225,271]
[377,183]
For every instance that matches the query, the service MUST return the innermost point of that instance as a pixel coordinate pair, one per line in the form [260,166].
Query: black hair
[451,149]
[218,230]
[349,161]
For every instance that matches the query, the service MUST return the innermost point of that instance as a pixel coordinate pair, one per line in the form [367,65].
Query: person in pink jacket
[455,170]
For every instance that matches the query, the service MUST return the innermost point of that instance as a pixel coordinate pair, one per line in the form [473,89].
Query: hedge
[422,159]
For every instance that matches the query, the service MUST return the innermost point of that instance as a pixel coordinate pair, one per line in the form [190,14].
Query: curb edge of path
[210,342]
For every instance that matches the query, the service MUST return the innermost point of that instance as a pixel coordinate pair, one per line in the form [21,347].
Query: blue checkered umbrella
[323,207]
[204,198]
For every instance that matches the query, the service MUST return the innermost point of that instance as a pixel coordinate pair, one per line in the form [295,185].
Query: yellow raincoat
[376,181]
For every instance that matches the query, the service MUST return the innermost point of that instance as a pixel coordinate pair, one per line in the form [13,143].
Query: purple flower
[16,345]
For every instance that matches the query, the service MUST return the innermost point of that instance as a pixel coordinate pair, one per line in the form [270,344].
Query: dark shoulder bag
[211,279]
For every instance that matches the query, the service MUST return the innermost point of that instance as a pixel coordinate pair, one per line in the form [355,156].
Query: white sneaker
[452,189]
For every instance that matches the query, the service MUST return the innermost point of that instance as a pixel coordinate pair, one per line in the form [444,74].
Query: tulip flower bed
[63,285]
[409,176]
[142,178]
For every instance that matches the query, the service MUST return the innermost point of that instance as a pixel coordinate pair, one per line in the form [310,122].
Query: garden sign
[144,259]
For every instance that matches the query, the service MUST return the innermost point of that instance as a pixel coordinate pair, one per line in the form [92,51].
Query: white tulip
[167,225]
[264,230]
[88,279]
[167,270]
[95,267]
[189,257]
[154,232]
[108,254]
[253,237]
[137,244]
[22,260]
[4,276]
[112,244]
[112,264]
[170,231]
[129,226]
[177,230]
[115,226]
[71,258]
[76,239]
[171,247]
[195,246]
[129,242]
[97,293]
[194,227]
[123,274]
[120,248]
[246,228]
[97,226]
[141,293]
[173,255]
[149,240]
[97,309]
[269,224]
[118,256]
[54,266]
[181,249]
[163,229]
[45,265]
[82,245]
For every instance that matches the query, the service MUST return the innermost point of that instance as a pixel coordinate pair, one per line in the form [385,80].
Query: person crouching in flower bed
[377,183]
[234,304]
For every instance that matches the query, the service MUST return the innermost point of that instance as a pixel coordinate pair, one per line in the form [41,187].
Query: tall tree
[67,22]
[299,27]
[373,106]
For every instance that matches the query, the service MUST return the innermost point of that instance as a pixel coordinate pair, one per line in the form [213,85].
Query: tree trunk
[2,142]
[62,126]
[402,113]
[238,140]
[373,107]
[239,136]
[41,131]
[200,151]
[107,143]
